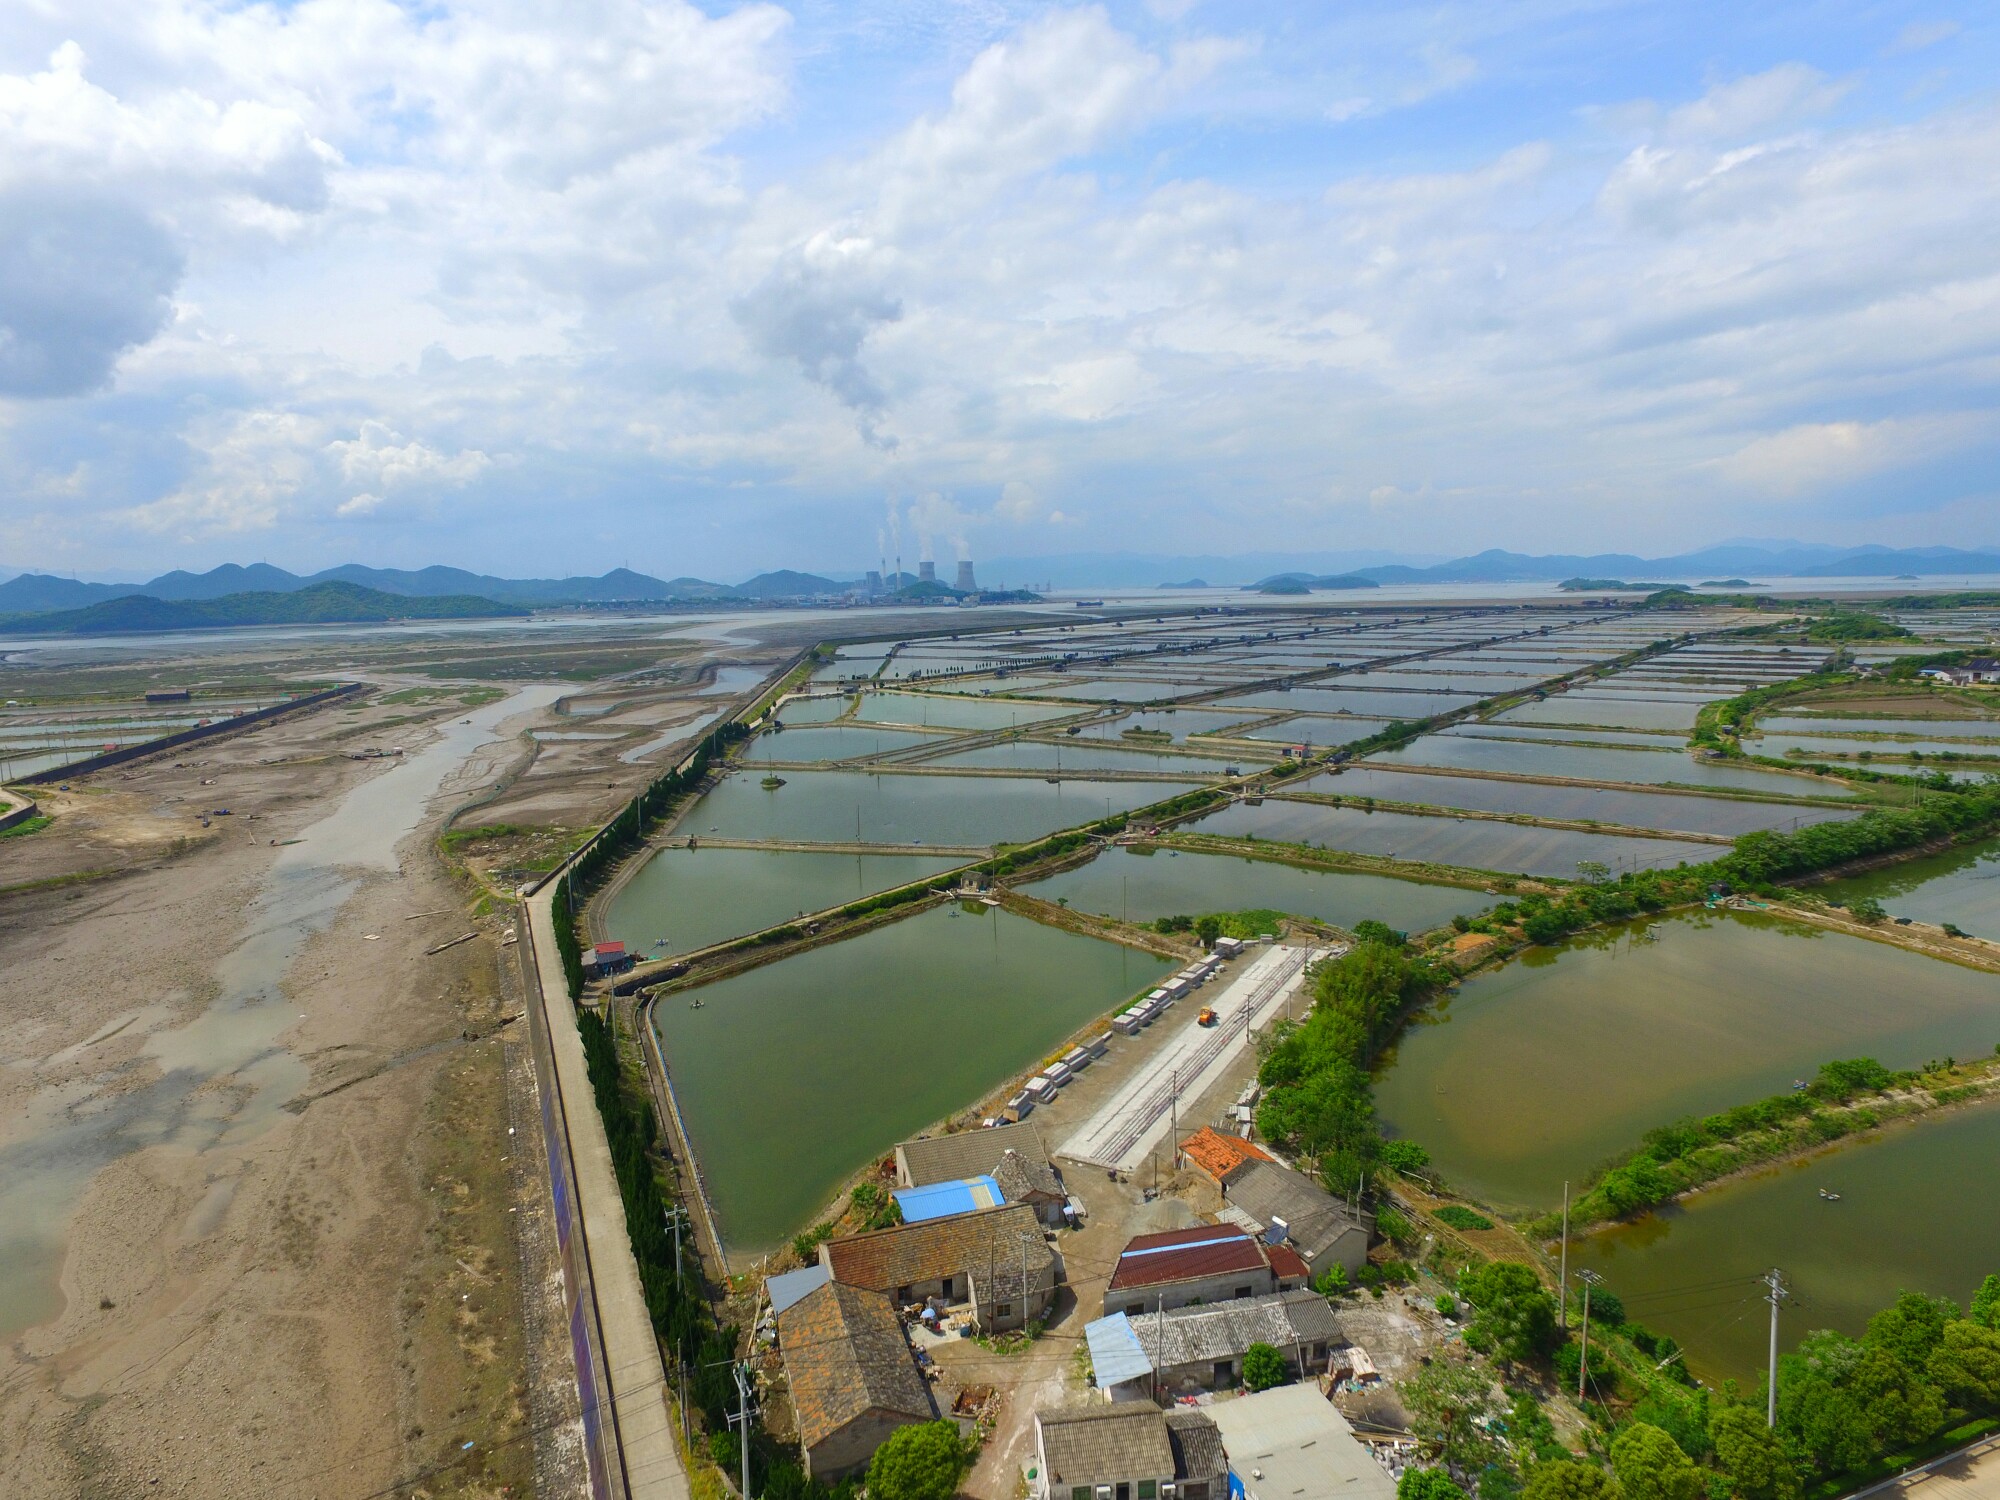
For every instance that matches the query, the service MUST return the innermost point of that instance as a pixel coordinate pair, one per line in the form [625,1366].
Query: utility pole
[1562,1275]
[1175,1127]
[1589,1279]
[742,1419]
[1774,1281]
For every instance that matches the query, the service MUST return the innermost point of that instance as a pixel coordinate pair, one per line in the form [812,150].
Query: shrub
[1404,1156]
[924,1461]
[1458,1216]
[1263,1367]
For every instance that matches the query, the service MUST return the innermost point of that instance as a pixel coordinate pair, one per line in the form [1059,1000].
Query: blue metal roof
[1115,1353]
[940,1200]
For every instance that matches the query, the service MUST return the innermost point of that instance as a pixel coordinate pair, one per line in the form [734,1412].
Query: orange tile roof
[1216,1153]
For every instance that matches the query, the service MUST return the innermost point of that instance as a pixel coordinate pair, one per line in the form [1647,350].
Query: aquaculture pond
[1142,887]
[1608,713]
[1074,755]
[1589,763]
[1546,1068]
[841,742]
[1180,722]
[694,897]
[1635,809]
[958,713]
[814,710]
[1478,844]
[1917,1212]
[1385,704]
[792,1076]
[1960,886]
[858,806]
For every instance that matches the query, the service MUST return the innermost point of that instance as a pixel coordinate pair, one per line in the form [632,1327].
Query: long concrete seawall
[622,1381]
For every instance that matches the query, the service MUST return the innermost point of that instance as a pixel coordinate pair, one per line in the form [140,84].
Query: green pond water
[1035,755]
[792,1076]
[1127,883]
[1129,690]
[1357,701]
[1319,729]
[694,897]
[1637,809]
[956,713]
[1573,708]
[1943,729]
[839,806]
[816,743]
[1473,843]
[1917,1212]
[1550,1066]
[1180,723]
[1961,886]
[1638,739]
[1811,745]
[1588,763]
[813,710]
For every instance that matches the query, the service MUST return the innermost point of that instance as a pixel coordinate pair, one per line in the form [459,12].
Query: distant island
[1611,586]
[1301,583]
[1725,583]
[320,604]
[1192,583]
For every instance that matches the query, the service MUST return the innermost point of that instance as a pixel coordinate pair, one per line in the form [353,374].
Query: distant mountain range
[35,593]
[334,602]
[1748,559]
[1790,562]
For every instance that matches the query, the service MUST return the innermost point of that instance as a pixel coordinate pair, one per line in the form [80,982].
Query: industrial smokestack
[926,571]
[965,584]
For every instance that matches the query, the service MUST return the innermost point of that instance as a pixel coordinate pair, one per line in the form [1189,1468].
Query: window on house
[1244,1291]
[1079,1492]
[1195,1489]
[1149,1489]
[1003,1309]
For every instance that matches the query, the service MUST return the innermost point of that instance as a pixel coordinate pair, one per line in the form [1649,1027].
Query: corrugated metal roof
[1301,1445]
[939,1200]
[788,1286]
[1115,1354]
[1183,1254]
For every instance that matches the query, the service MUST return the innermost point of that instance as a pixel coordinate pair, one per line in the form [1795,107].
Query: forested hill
[320,604]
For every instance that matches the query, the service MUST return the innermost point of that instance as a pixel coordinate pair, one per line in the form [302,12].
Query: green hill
[330,603]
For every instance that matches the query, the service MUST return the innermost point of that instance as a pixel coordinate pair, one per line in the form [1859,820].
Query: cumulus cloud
[375,456]
[83,278]
[1040,273]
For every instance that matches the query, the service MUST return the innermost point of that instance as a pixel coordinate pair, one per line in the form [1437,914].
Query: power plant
[965,585]
[926,571]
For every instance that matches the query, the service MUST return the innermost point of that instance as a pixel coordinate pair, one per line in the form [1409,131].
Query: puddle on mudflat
[221,1076]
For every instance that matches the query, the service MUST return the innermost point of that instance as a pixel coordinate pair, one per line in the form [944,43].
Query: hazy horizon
[712,290]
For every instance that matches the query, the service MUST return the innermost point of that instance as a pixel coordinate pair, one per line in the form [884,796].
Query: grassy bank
[1845,1098]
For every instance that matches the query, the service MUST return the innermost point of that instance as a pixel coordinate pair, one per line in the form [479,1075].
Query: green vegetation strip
[1844,1099]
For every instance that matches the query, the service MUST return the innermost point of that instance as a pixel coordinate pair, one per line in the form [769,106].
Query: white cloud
[1073,272]
[374,456]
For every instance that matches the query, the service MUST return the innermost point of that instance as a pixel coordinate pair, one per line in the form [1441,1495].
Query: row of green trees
[1925,1372]
[1319,1101]
[673,1286]
[624,833]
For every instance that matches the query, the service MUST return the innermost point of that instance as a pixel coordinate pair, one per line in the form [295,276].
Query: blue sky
[702,290]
